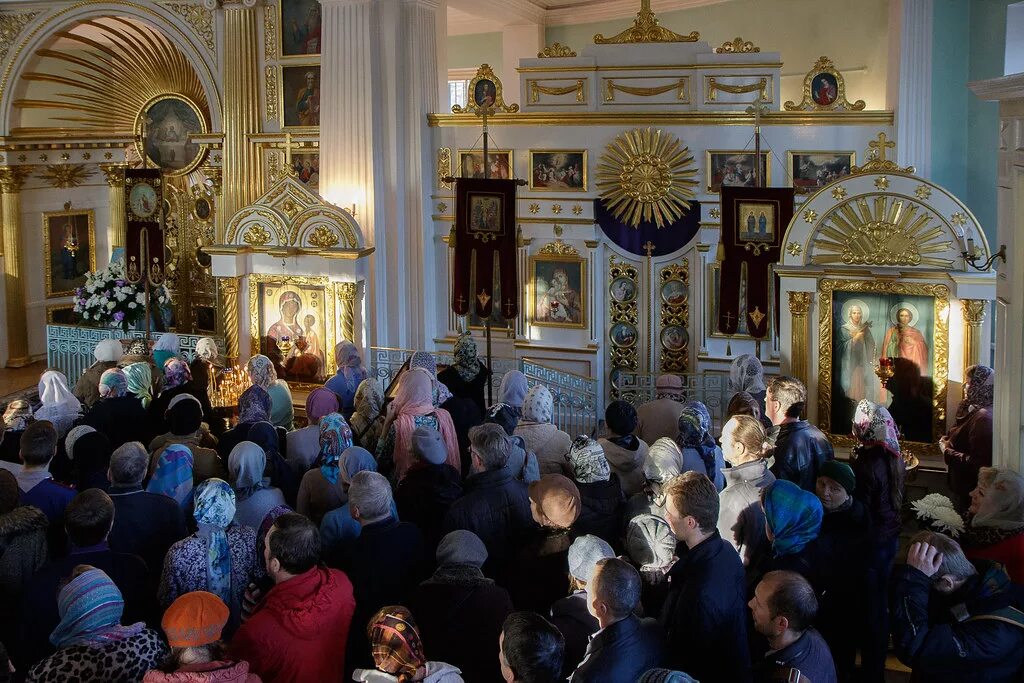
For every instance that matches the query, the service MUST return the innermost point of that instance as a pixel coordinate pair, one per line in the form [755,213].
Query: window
[458,86]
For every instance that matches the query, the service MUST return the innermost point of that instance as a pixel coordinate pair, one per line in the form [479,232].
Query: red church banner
[485,247]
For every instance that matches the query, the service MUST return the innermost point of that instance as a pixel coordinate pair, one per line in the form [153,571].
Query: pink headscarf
[415,397]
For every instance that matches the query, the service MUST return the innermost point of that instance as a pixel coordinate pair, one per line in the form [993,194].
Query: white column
[914,85]
[518,41]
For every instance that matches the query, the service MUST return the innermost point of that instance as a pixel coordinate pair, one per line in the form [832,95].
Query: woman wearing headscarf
[467,377]
[338,527]
[185,421]
[368,416]
[747,374]
[348,377]
[465,413]
[253,406]
[220,557]
[695,440]
[601,498]
[318,493]
[269,438]
[793,522]
[92,645]
[168,346]
[549,443]
[23,531]
[254,496]
[398,652]
[119,415]
[664,461]
[89,456]
[173,475]
[512,391]
[430,485]
[107,353]
[17,416]
[995,527]
[140,382]
[59,405]
[177,380]
[204,369]
[413,407]
[651,547]
[304,444]
[262,373]
[521,463]
[625,451]
[967,447]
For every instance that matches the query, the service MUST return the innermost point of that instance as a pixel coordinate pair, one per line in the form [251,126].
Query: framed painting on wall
[300,26]
[734,168]
[558,291]
[69,250]
[300,96]
[471,163]
[558,170]
[812,170]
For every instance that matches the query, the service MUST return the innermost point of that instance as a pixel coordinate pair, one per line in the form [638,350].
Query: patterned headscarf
[176,373]
[18,415]
[513,389]
[369,399]
[74,435]
[215,508]
[413,399]
[874,426]
[746,374]
[466,361]
[261,371]
[982,386]
[321,401]
[397,648]
[793,515]
[108,351]
[140,381]
[206,349]
[426,360]
[335,439]
[254,405]
[138,347]
[588,461]
[246,463]
[173,474]
[113,383]
[695,433]
[664,460]
[57,399]
[1003,505]
[538,406]
[90,608]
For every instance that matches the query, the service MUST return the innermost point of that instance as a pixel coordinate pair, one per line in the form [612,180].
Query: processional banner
[485,247]
[144,234]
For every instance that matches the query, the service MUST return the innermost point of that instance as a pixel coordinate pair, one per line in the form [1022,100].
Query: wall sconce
[971,257]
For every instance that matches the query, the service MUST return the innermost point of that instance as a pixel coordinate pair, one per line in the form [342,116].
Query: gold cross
[648,247]
[758,109]
[880,145]
[728,318]
[508,307]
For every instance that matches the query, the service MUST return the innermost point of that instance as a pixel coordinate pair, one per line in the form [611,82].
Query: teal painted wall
[475,49]
[950,61]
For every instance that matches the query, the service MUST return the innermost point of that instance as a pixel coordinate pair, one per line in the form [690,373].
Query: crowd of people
[428,536]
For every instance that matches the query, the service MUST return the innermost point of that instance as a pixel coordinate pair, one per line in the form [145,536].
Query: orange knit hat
[195,619]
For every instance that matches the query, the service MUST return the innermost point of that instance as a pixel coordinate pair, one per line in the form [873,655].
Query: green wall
[950,60]
[470,51]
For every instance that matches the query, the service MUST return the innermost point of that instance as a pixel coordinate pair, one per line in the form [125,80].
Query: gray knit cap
[650,542]
[461,547]
[428,446]
[584,553]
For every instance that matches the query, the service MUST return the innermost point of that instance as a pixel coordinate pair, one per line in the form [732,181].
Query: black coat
[705,613]
[10,446]
[424,496]
[121,420]
[495,507]
[874,490]
[601,507]
[145,524]
[465,414]
[622,652]
[539,575]
[473,389]
[460,614]
[800,449]
[808,654]
[571,616]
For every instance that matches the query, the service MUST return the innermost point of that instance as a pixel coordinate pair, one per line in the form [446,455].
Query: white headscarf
[206,349]
[108,351]
[168,342]
[58,401]
[664,460]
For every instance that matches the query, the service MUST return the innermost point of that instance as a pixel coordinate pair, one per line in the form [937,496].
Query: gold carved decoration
[645,29]
[324,237]
[940,293]
[494,102]
[66,175]
[880,230]
[799,306]
[646,175]
[347,302]
[270,87]
[623,311]
[737,46]
[824,100]
[10,26]
[556,50]
[882,183]
[794,248]
[974,312]
[534,208]
[923,192]
[714,87]
[536,90]
[839,192]
[558,248]
[270,38]
[257,236]
[12,178]
[200,19]
[113,174]
[577,209]
[444,167]
[611,87]
[228,289]
[556,209]
[674,321]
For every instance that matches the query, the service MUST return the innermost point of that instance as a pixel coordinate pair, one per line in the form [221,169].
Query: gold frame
[279,38]
[330,319]
[586,175]
[484,73]
[511,158]
[824,65]
[280,95]
[707,166]
[210,200]
[47,215]
[712,326]
[531,292]
[789,165]
[940,294]
[52,308]
[622,357]
[140,146]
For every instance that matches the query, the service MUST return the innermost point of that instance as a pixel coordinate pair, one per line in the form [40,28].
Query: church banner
[666,240]
[753,222]
[485,247]
[144,235]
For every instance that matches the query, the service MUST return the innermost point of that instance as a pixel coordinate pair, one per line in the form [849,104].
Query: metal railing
[710,388]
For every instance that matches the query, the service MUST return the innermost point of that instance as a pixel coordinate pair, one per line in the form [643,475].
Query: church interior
[600,194]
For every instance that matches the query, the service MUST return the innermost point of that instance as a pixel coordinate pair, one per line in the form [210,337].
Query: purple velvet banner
[665,240]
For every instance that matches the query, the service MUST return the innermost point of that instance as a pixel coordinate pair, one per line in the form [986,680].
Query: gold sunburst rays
[647,176]
[108,81]
[881,231]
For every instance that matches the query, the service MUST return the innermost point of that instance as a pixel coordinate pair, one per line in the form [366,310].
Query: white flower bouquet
[938,512]
[108,300]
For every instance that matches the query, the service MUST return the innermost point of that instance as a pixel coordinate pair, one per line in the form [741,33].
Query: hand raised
[925,558]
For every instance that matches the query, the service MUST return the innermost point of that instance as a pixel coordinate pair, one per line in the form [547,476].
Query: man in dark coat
[495,506]
[429,487]
[954,620]
[626,646]
[145,524]
[571,614]
[704,615]
[460,611]
[800,447]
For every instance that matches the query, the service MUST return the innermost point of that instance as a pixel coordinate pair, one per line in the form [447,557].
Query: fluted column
[242,182]
[114,174]
[11,180]
[799,306]
[914,96]
[974,311]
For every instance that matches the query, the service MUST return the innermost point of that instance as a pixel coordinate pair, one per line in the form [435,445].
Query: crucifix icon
[648,247]
[508,307]
[879,146]
[288,168]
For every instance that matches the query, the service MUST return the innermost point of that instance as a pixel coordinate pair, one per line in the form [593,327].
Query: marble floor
[16,379]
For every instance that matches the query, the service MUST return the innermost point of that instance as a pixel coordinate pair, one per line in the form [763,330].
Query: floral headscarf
[18,415]
[695,433]
[138,347]
[247,463]
[793,515]
[513,390]
[538,406]
[261,371]
[140,381]
[588,461]
[176,373]
[874,426]
[426,361]
[746,374]
[369,399]
[982,386]
[335,439]
[113,383]
[206,349]
[414,398]
[254,405]
[173,475]
[396,644]
[90,608]
[321,401]
[466,361]
[57,399]
[214,510]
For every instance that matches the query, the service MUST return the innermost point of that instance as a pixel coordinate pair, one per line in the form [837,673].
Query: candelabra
[884,370]
[229,387]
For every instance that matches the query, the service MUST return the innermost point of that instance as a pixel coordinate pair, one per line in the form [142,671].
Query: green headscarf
[140,382]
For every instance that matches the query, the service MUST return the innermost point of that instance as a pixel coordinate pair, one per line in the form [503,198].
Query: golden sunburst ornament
[647,175]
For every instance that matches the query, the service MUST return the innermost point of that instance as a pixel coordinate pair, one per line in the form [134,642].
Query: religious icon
[485,93]
[824,89]
[307,170]
[70,250]
[558,291]
[300,27]
[623,334]
[558,170]
[623,290]
[903,339]
[202,208]
[674,338]
[498,161]
[485,213]
[857,350]
[757,222]
[292,328]
[166,125]
[497,321]
[142,200]
[735,169]
[811,170]
[301,93]
[674,292]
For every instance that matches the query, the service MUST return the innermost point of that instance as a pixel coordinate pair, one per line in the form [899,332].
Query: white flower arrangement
[939,512]
[108,299]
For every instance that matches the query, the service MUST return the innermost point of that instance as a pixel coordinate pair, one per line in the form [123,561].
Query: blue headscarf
[793,515]
[90,608]
[215,508]
[335,439]
[173,475]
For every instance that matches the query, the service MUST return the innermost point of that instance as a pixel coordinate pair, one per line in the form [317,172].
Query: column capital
[230,4]
[799,303]
[975,311]
[12,178]
[114,174]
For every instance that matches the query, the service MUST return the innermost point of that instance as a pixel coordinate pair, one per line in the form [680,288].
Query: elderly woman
[694,438]
[119,415]
[173,475]
[140,382]
[467,377]
[625,451]
[262,373]
[166,347]
[253,406]
[184,418]
[601,498]
[544,439]
[995,529]
[430,485]
[747,374]
[254,496]
[512,391]
[398,652]
[107,353]
[304,444]
[318,492]
[220,557]
[368,417]
[349,376]
[17,417]
[91,643]
[177,380]
[967,447]
[464,411]
[413,407]
[59,405]
[204,369]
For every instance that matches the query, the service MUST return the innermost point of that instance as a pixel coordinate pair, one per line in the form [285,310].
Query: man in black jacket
[704,615]
[800,447]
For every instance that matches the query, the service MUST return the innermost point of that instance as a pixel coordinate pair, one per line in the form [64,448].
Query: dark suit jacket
[621,652]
